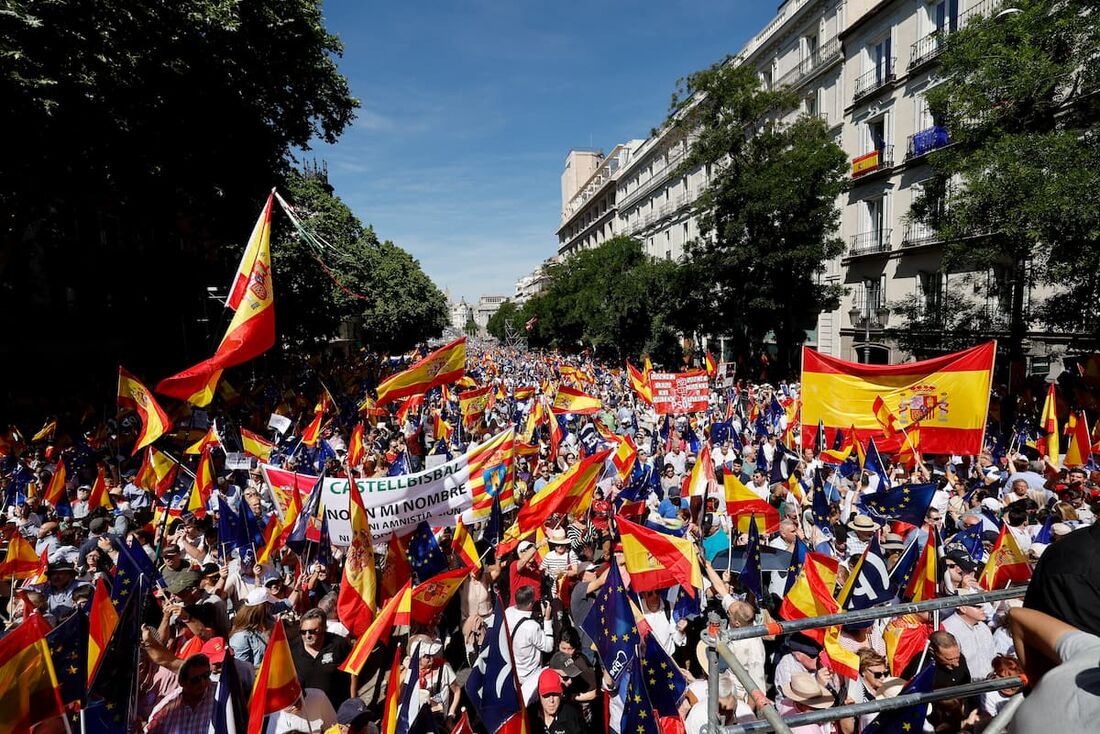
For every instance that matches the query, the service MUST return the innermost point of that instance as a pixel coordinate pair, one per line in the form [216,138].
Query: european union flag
[750,572]
[908,503]
[68,643]
[494,528]
[637,710]
[735,441]
[610,624]
[719,432]
[838,440]
[425,555]
[399,466]
[16,491]
[663,679]
[324,542]
[686,606]
[134,574]
[909,718]
[692,439]
[798,557]
[1043,536]
[902,572]
[820,506]
[970,537]
[873,465]
[110,693]
[229,527]
[761,458]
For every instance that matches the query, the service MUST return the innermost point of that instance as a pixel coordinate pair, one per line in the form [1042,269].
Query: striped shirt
[175,716]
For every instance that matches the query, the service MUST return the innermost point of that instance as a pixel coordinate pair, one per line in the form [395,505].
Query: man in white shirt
[658,613]
[529,638]
[975,639]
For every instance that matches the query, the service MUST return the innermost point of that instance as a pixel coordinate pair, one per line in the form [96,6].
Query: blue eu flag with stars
[908,503]
[425,555]
[68,643]
[638,715]
[750,572]
[663,679]
[610,624]
[909,718]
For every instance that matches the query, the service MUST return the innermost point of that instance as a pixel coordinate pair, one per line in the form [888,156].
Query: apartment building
[533,283]
[865,67]
[484,310]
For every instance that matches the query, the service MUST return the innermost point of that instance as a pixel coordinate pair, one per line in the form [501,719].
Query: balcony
[918,234]
[819,59]
[875,79]
[926,141]
[877,160]
[928,48]
[869,243]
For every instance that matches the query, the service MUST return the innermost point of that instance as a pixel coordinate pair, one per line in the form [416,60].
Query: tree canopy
[768,218]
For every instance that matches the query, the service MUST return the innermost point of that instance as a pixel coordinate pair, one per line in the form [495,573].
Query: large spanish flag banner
[571,400]
[29,692]
[444,365]
[948,396]
[252,330]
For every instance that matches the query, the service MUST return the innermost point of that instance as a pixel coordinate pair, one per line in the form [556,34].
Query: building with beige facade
[864,66]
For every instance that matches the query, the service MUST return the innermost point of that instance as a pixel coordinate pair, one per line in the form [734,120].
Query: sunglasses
[876,674]
[312,631]
[198,677]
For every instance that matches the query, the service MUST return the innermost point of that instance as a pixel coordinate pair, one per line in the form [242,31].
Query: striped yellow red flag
[252,330]
[393,696]
[626,453]
[358,588]
[98,496]
[210,439]
[712,365]
[55,490]
[357,451]
[1050,445]
[487,458]
[743,505]
[20,562]
[702,477]
[462,545]
[658,561]
[428,600]
[133,395]
[256,445]
[948,395]
[379,630]
[473,404]
[812,592]
[844,661]
[46,432]
[29,692]
[102,621]
[203,486]
[157,472]
[1006,563]
[276,685]
[639,382]
[444,365]
[572,400]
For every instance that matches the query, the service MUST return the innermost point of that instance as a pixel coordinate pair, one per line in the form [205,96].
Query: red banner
[680,392]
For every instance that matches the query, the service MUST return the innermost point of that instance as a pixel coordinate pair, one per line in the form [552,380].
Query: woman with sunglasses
[873,671]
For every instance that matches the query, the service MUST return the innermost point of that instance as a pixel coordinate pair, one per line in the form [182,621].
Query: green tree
[612,299]
[768,219]
[149,133]
[471,329]
[508,313]
[1014,193]
[404,306]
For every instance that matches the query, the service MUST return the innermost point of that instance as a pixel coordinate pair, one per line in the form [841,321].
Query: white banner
[393,504]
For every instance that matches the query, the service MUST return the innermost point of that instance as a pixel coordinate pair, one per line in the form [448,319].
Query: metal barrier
[772,721]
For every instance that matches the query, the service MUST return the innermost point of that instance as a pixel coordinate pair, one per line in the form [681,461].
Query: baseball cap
[183,580]
[525,546]
[963,559]
[214,649]
[353,712]
[549,683]
[564,665]
[259,595]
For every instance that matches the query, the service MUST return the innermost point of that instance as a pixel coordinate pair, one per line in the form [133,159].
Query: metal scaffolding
[716,641]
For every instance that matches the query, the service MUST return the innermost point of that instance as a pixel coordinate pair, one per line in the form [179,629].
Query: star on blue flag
[750,572]
[909,719]
[663,680]
[908,503]
[638,715]
[492,684]
[68,643]
[798,557]
[425,555]
[610,624]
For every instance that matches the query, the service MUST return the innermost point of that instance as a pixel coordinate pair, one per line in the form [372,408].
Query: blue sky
[469,108]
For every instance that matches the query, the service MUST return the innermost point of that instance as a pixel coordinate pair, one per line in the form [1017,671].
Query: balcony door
[882,60]
[945,16]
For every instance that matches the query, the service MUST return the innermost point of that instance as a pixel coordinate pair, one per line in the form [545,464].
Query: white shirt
[664,630]
[316,714]
[976,643]
[529,641]
[787,666]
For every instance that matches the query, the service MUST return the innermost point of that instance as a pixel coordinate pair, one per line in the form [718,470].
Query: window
[877,134]
[930,290]
[810,46]
[874,216]
[811,104]
[881,60]
[945,16]
[766,78]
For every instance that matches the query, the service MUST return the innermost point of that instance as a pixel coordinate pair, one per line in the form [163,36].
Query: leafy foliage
[507,313]
[1022,111]
[768,218]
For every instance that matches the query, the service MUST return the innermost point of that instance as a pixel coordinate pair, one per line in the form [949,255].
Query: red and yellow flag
[46,431]
[1006,563]
[358,590]
[133,395]
[485,460]
[379,630]
[702,476]
[98,496]
[357,450]
[203,486]
[905,638]
[926,576]
[812,592]
[572,400]
[393,697]
[639,382]
[462,545]
[29,692]
[1080,444]
[429,598]
[885,417]
[625,455]
[102,621]
[20,561]
[742,504]
[444,365]
[396,571]
[1050,444]
[657,561]
[948,395]
[252,330]
[276,685]
[55,490]
[843,661]
[256,445]
[312,432]
[712,365]
[157,472]
[210,439]
[473,404]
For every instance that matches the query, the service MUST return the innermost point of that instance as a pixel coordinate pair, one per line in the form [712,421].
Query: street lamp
[868,319]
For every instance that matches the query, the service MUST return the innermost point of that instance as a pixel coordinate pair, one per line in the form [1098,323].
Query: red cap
[549,682]
[214,649]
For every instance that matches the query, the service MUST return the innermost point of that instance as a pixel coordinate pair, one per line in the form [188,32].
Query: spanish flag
[408,405]
[429,598]
[313,430]
[658,561]
[571,400]
[256,445]
[885,418]
[46,432]
[1006,563]
[712,366]
[1049,445]
[905,638]
[444,365]
[462,545]
[157,472]
[20,561]
[252,330]
[925,581]
[133,395]
[357,451]
[702,474]
[639,382]
[55,490]
[276,685]
[98,496]
[811,595]
[948,396]
[843,661]
[29,692]
[209,439]
[358,589]
[379,630]
[473,404]
[203,486]
[393,696]
[742,504]
[624,457]
[102,621]
[396,570]
[1080,445]
[523,393]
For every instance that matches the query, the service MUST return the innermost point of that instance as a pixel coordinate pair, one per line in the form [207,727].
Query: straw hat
[890,688]
[863,524]
[558,537]
[805,689]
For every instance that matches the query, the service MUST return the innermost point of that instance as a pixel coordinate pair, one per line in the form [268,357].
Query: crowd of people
[211,609]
